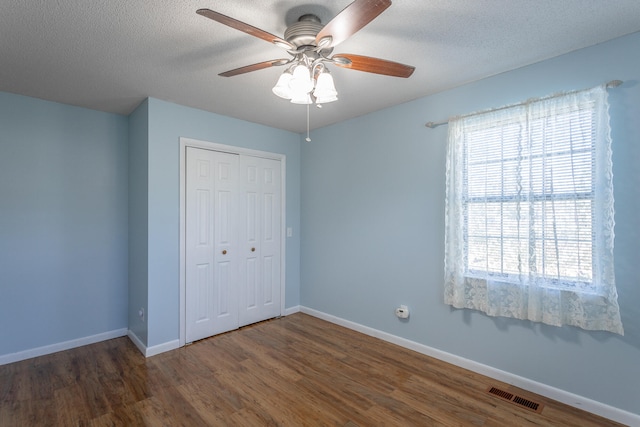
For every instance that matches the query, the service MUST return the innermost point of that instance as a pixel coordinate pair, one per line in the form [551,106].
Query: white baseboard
[291,310]
[161,348]
[66,345]
[571,399]
[153,350]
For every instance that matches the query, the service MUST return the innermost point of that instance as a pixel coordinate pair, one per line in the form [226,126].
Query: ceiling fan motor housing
[303,32]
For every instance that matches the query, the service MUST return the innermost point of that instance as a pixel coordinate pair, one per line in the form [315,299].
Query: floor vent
[516,400]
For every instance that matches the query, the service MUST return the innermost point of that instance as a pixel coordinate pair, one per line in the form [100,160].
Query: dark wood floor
[294,371]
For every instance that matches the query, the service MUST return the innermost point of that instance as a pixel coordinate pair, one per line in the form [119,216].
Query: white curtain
[529,212]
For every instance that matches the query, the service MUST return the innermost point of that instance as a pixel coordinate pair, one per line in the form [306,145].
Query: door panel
[211,249]
[259,239]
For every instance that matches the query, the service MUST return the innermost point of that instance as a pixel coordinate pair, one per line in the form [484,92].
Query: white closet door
[211,249]
[260,251]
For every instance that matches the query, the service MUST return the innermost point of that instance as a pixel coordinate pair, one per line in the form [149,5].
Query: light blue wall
[167,123]
[138,219]
[63,223]
[373,229]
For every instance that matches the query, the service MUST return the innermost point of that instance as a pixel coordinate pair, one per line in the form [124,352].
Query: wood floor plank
[30,412]
[293,371]
[213,410]
[71,407]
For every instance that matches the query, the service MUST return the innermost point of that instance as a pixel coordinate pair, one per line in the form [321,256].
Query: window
[507,184]
[530,212]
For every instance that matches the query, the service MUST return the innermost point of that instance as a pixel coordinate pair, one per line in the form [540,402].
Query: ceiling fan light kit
[306,79]
[302,84]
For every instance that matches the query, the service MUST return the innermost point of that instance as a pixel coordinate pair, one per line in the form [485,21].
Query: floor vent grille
[516,400]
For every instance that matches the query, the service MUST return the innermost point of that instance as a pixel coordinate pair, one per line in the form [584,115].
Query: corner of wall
[138,222]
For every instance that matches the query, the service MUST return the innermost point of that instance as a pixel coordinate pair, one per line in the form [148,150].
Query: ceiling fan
[310,45]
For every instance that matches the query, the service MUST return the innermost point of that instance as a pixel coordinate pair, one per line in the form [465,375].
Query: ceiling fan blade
[249,29]
[351,20]
[373,65]
[254,67]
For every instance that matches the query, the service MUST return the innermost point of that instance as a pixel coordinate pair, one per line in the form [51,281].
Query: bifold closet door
[259,242]
[211,243]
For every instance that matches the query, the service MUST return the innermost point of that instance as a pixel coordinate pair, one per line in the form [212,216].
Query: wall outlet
[141,314]
[402,312]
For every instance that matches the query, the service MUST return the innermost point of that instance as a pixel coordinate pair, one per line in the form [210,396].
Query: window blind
[529,195]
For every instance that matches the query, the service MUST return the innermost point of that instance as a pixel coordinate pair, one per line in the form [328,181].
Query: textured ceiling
[110,55]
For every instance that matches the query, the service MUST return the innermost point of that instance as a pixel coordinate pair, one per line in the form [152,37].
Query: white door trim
[188,142]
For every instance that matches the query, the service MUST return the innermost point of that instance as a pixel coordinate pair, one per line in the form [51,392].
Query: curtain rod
[431,125]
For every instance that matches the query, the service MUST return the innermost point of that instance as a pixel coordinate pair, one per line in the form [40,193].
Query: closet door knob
[253,249]
[224,252]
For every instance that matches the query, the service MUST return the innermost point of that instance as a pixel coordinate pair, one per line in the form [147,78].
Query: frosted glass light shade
[325,90]
[325,85]
[282,88]
[301,80]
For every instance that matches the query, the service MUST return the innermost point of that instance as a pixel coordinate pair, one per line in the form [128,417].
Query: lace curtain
[529,212]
